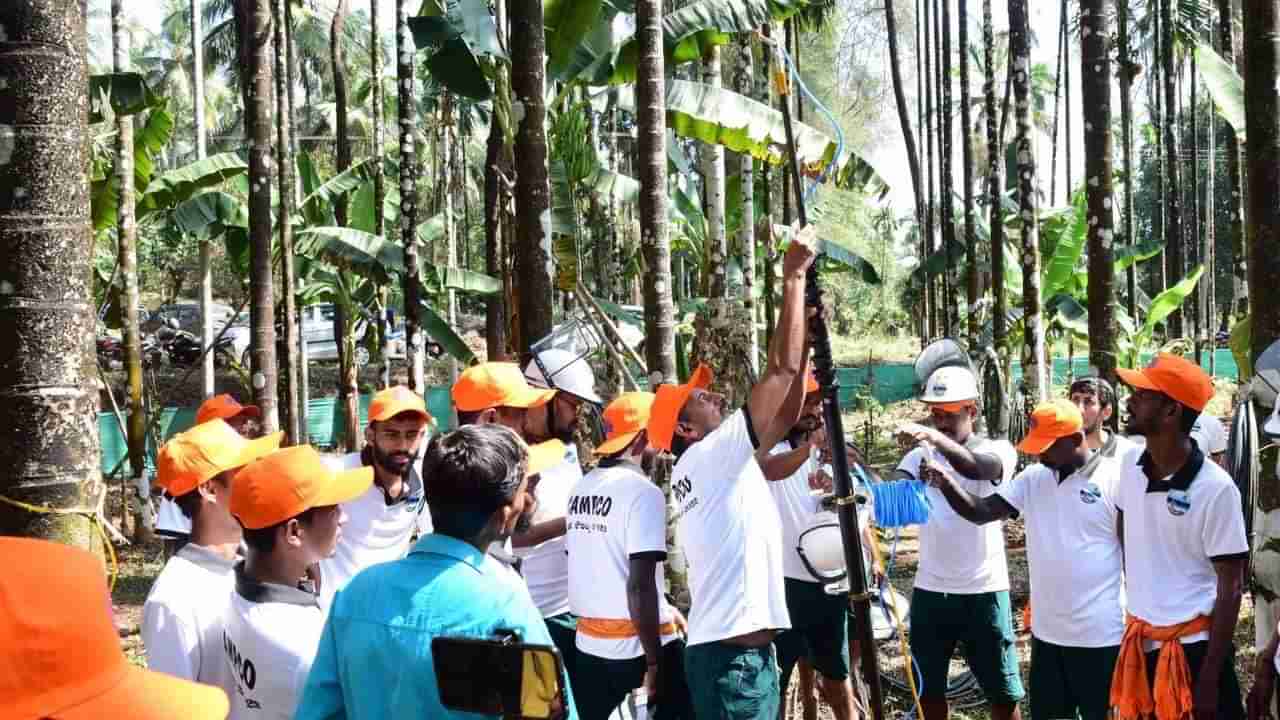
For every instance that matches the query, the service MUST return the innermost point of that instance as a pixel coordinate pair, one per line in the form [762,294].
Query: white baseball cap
[1209,434]
[565,371]
[950,384]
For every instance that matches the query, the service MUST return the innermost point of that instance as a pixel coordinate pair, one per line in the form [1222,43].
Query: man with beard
[375,658]
[382,522]
[962,582]
[1075,558]
[726,519]
[1185,554]
[1096,400]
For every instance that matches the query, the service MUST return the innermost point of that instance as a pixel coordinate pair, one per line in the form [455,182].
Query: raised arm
[782,465]
[976,466]
[771,413]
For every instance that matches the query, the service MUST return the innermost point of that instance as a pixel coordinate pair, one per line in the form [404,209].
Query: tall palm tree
[1262,48]
[206,247]
[533,194]
[49,422]
[408,140]
[744,83]
[448,157]
[966,147]
[1095,97]
[904,115]
[261,284]
[927,237]
[1033,353]
[946,184]
[1173,186]
[659,312]
[1235,229]
[1127,70]
[995,193]
[348,390]
[284,167]
[715,282]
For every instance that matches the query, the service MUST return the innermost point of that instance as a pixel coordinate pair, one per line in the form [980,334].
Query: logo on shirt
[1178,502]
[1090,494]
[599,505]
[681,488]
[242,667]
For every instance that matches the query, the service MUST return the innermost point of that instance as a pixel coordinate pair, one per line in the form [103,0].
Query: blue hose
[835,159]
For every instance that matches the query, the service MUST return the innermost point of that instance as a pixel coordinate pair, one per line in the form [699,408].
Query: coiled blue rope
[900,503]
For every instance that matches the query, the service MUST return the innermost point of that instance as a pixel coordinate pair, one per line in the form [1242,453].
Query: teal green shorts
[564,633]
[727,682]
[819,631]
[983,623]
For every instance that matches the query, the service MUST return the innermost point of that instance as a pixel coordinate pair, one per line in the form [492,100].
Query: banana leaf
[1061,268]
[351,249]
[127,93]
[591,60]
[457,39]
[149,140]
[1224,85]
[182,183]
[840,257]
[567,24]
[1241,342]
[468,281]
[1166,302]
[207,214]
[314,206]
[438,330]
[1127,255]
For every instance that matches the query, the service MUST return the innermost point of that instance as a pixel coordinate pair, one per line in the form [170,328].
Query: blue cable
[813,187]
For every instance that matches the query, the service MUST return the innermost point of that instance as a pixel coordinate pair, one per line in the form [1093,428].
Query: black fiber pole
[824,371]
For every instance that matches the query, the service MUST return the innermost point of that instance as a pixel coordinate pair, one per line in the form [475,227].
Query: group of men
[312,587]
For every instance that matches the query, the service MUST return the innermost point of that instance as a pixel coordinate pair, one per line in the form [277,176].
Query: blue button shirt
[374,660]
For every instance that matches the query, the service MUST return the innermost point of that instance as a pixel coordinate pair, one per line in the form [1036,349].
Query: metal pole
[824,370]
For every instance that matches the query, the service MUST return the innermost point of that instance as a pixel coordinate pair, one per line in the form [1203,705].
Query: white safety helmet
[1209,434]
[1272,426]
[950,384]
[565,371]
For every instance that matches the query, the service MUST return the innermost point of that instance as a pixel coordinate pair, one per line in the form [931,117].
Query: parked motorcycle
[185,349]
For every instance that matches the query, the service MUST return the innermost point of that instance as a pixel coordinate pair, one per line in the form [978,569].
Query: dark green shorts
[603,684]
[564,633]
[1230,702]
[728,682]
[819,631]
[983,623]
[1069,682]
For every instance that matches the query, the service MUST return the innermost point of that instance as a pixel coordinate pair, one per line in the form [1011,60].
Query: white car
[317,330]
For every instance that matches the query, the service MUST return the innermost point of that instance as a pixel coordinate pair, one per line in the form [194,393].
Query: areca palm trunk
[904,115]
[946,184]
[261,283]
[408,141]
[1126,73]
[712,156]
[931,209]
[379,184]
[1033,353]
[1173,186]
[966,148]
[127,249]
[1239,265]
[447,156]
[744,83]
[1095,95]
[206,248]
[284,166]
[49,418]
[348,391]
[659,312]
[995,193]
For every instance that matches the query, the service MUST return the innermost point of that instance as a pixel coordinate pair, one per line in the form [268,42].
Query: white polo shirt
[1073,548]
[614,513]
[731,535]
[270,637]
[799,509]
[545,566]
[957,556]
[376,531]
[182,616]
[1174,528]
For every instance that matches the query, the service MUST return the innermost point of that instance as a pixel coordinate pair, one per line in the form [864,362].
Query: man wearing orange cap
[727,521]
[381,523]
[182,616]
[1075,557]
[1185,554]
[290,504]
[60,655]
[627,634]
[172,524]
[375,659]
[963,573]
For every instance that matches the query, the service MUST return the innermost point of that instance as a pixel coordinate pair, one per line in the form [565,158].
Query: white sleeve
[647,522]
[1016,491]
[1223,532]
[170,644]
[910,463]
[423,522]
[1005,453]
[735,440]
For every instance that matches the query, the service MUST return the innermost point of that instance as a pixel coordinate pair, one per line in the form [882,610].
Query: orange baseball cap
[810,383]
[395,400]
[668,401]
[289,482]
[62,656]
[544,455]
[201,453]
[625,417]
[1175,376]
[496,384]
[224,407]
[1049,421]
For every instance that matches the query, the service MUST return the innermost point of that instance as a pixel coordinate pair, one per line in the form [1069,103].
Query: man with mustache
[962,582]
[1096,400]
[382,521]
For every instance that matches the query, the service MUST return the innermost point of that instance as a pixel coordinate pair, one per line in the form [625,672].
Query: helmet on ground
[564,371]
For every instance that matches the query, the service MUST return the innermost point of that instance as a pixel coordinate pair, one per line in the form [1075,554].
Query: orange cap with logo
[289,482]
[1050,421]
[496,384]
[624,419]
[544,455]
[668,401]
[389,403]
[62,656]
[206,450]
[1175,376]
[224,407]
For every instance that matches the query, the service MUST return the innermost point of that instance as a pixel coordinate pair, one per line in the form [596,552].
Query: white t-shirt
[796,510]
[182,617]
[375,531]
[269,644]
[614,513]
[1174,528]
[957,556]
[731,535]
[545,566]
[1073,548]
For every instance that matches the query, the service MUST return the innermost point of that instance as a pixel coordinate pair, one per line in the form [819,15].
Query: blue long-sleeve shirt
[374,660]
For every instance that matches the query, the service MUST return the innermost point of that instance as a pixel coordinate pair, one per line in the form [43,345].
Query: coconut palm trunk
[1172,171]
[659,312]
[343,324]
[206,247]
[995,193]
[1127,71]
[49,418]
[409,199]
[261,283]
[284,168]
[1095,97]
[1235,229]
[1033,352]
[532,192]
[715,282]
[904,114]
